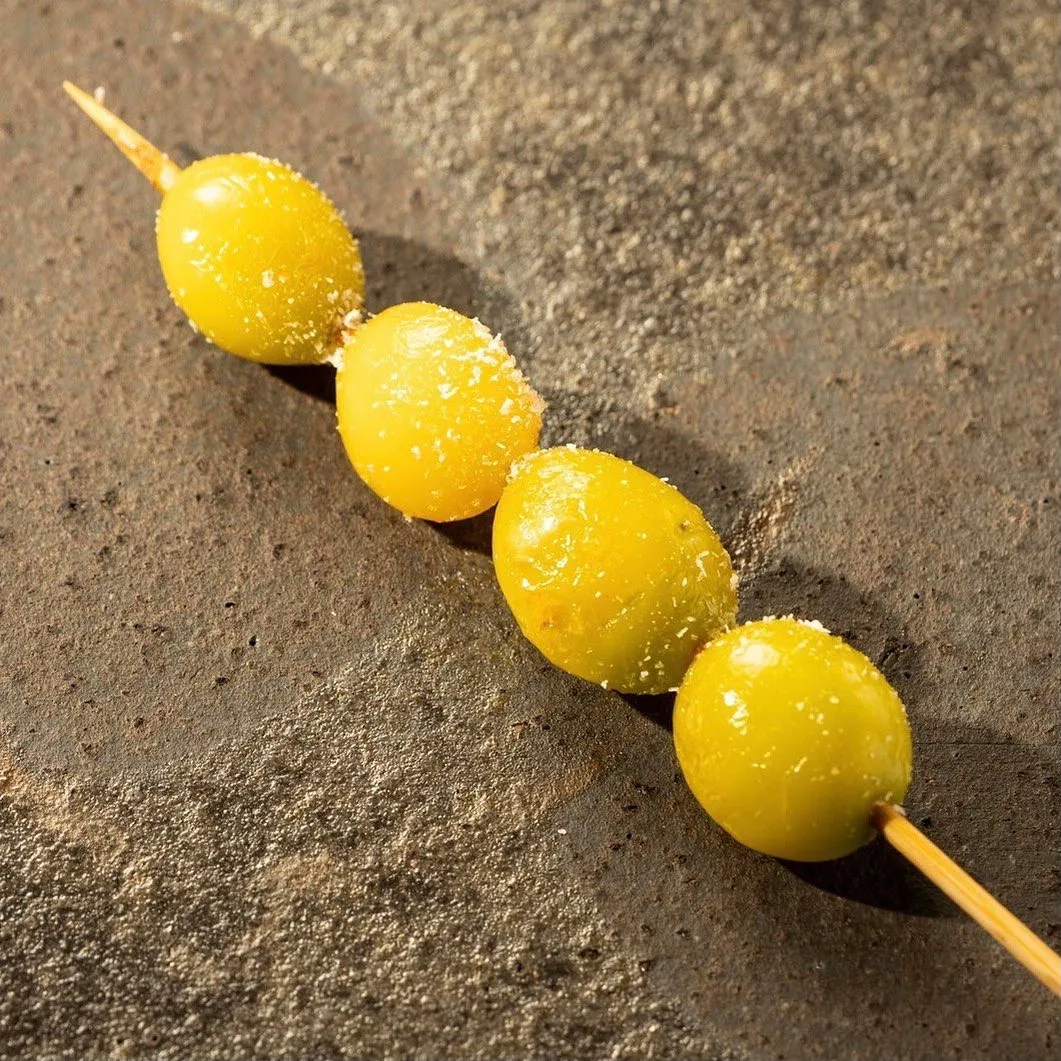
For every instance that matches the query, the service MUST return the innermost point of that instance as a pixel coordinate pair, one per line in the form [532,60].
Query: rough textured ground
[278,777]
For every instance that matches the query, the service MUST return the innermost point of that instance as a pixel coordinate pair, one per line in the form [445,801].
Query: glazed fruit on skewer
[433,411]
[258,258]
[608,570]
[789,737]
[792,740]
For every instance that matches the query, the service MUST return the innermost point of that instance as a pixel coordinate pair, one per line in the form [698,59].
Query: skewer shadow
[469,535]
[403,270]
[656,707]
[316,381]
[876,875]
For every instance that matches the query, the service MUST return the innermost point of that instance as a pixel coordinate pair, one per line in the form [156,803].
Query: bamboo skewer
[156,166]
[976,901]
[888,820]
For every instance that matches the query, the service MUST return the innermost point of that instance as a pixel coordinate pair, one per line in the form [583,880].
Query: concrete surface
[279,777]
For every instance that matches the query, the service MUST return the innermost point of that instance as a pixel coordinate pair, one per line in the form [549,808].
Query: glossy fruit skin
[787,736]
[259,259]
[612,573]
[433,411]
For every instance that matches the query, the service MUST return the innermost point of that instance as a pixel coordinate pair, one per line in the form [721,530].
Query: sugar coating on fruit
[259,259]
[788,736]
[433,411]
[610,571]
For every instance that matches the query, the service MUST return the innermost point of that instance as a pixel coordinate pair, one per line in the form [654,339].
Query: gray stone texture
[279,777]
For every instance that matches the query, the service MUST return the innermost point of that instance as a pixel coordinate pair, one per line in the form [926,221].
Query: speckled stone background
[278,777]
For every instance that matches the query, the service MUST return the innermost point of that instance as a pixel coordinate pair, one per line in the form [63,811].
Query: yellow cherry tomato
[433,411]
[610,571]
[259,259]
[788,736]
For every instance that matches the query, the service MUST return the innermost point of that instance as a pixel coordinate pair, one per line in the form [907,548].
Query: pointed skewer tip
[156,166]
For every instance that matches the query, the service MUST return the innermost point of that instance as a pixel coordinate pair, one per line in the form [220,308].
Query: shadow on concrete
[706,476]
[401,270]
[787,587]
[318,381]
[656,707]
[876,875]
[469,535]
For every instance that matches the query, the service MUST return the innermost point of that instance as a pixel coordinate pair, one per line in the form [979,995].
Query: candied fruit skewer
[234,227]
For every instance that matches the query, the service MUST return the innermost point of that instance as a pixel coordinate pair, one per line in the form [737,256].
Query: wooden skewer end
[976,901]
[154,164]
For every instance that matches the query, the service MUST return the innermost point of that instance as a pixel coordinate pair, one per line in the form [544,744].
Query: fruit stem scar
[156,166]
